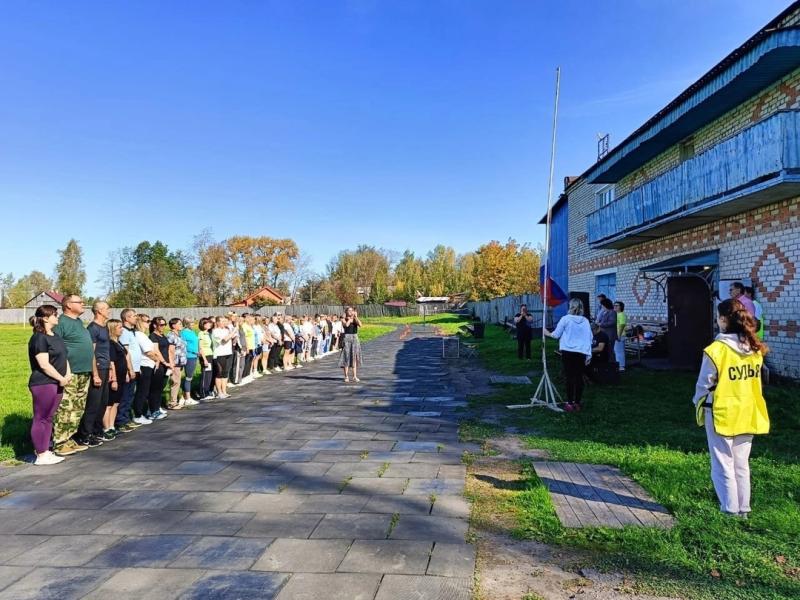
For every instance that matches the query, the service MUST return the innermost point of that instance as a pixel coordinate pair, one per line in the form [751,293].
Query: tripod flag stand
[546,393]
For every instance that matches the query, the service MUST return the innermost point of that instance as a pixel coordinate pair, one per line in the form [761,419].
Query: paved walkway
[297,487]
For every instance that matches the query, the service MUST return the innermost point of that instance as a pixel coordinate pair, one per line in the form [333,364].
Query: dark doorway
[690,327]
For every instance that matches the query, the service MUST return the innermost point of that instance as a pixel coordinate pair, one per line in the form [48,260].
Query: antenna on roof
[602,145]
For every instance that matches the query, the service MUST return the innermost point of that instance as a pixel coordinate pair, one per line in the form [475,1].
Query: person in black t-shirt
[601,351]
[50,372]
[90,430]
[523,322]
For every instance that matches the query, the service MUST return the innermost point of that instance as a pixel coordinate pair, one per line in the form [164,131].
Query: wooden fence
[499,310]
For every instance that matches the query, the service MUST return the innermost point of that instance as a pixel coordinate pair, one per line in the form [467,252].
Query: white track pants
[730,468]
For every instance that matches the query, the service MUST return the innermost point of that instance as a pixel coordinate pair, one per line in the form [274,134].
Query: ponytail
[742,323]
[37,320]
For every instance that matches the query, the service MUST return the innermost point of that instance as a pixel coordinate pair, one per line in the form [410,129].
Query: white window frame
[605,195]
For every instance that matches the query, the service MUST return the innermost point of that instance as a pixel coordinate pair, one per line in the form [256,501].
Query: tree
[210,273]
[257,262]
[500,270]
[152,276]
[409,277]
[300,274]
[440,271]
[110,275]
[27,287]
[355,273]
[6,282]
[70,271]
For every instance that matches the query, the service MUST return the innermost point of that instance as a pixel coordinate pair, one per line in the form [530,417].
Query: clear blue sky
[401,124]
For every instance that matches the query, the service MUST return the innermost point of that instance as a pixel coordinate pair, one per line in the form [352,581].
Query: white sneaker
[48,458]
[223,396]
[159,414]
[190,402]
[142,421]
[257,375]
[298,366]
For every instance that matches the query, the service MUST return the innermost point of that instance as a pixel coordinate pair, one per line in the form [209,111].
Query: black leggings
[142,391]
[157,384]
[524,346]
[574,367]
[274,356]
[208,377]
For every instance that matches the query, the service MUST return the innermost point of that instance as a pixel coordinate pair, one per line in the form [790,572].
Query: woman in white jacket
[574,337]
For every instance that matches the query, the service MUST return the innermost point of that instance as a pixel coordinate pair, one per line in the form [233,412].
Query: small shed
[47,297]
[265,295]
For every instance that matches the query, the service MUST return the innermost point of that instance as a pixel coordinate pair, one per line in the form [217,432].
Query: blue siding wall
[761,150]
[559,249]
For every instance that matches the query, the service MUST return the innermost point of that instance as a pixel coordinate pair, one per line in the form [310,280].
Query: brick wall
[762,244]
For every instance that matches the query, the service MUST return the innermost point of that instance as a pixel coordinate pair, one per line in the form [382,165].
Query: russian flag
[555,295]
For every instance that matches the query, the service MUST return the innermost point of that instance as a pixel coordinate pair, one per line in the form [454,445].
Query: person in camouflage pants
[70,411]
[80,354]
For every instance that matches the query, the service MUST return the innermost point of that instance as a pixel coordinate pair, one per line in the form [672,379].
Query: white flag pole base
[546,396]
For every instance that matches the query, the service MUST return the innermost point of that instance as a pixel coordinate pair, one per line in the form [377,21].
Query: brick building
[706,191]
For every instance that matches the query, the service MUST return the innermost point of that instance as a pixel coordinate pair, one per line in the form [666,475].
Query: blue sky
[402,124]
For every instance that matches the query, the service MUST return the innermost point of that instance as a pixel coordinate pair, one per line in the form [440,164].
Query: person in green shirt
[80,355]
[619,344]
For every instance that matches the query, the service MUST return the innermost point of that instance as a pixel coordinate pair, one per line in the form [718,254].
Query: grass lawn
[15,400]
[645,426]
[445,323]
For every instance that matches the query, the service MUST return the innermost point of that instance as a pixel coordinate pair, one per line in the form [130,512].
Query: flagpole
[546,394]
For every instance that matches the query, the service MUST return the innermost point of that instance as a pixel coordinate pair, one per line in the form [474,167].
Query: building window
[606,284]
[605,196]
[686,149]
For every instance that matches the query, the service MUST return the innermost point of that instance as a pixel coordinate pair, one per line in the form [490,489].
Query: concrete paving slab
[387,556]
[235,585]
[452,560]
[71,522]
[56,583]
[269,503]
[142,551]
[339,586]
[281,525]
[64,551]
[221,553]
[211,523]
[437,529]
[303,556]
[12,546]
[146,584]
[364,526]
[9,575]
[423,588]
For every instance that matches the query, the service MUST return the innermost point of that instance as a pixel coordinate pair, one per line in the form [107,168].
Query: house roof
[258,293]
[763,59]
[53,294]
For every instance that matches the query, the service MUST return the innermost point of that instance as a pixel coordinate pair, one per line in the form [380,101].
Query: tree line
[218,272]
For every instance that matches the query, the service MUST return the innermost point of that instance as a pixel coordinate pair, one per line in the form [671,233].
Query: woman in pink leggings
[49,374]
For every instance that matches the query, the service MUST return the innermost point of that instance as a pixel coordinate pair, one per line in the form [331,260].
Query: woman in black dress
[351,349]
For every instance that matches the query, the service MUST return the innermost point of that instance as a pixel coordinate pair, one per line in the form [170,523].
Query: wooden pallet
[599,496]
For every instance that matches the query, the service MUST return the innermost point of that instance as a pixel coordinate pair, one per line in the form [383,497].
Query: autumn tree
[255,262]
[6,283]
[500,270]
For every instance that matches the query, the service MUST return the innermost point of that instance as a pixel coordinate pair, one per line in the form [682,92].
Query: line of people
[90,384]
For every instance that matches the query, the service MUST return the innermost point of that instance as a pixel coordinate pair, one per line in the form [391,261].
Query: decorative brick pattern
[768,258]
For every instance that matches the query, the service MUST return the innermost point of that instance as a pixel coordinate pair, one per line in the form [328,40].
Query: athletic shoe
[107,435]
[298,366]
[223,396]
[278,369]
[128,427]
[158,415]
[142,421]
[91,442]
[68,448]
[48,458]
[190,402]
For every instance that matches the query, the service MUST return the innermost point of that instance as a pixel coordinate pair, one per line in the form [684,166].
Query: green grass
[370,331]
[446,323]
[15,399]
[645,426]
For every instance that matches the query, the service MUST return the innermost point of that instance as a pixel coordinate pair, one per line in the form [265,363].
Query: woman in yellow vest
[729,402]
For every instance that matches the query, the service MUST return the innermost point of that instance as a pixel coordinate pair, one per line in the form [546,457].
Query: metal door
[690,327]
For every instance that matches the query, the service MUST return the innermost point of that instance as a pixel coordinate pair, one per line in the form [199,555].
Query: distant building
[396,303]
[704,193]
[264,296]
[48,297]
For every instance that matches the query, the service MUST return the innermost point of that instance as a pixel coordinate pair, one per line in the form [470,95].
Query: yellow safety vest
[738,406]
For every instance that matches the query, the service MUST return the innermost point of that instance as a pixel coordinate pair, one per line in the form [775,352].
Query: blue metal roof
[764,59]
[685,262]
